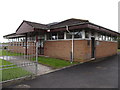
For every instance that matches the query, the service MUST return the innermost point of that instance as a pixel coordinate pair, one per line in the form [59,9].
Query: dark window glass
[78,34]
[54,36]
[61,35]
[68,36]
[100,37]
[86,34]
[49,36]
[114,38]
[92,34]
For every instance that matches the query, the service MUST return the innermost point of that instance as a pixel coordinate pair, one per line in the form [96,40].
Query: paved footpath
[95,74]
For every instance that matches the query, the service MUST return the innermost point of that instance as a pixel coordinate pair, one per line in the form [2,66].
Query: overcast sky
[13,12]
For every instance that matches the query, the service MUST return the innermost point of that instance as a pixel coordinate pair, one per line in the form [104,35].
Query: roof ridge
[34,22]
[78,19]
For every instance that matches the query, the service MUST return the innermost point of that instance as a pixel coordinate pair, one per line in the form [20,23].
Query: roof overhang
[14,35]
[89,25]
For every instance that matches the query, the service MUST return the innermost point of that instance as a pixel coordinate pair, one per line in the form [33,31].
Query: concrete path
[27,64]
[95,74]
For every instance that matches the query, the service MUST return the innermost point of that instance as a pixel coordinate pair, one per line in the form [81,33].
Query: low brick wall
[82,50]
[16,47]
[105,49]
[58,49]
[62,49]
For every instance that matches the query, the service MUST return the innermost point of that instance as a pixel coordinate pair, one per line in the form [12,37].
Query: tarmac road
[95,74]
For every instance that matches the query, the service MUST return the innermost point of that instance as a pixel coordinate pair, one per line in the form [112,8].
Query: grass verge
[54,63]
[118,50]
[11,73]
[6,53]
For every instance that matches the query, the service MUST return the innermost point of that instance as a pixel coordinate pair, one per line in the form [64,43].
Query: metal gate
[18,58]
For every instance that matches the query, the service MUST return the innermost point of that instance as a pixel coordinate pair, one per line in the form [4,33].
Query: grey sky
[13,12]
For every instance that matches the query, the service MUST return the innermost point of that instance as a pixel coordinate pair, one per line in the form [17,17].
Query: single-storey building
[71,39]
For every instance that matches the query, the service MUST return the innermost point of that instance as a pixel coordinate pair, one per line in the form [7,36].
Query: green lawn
[12,73]
[55,63]
[118,50]
[6,53]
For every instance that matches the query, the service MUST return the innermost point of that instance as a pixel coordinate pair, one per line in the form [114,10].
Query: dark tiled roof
[36,25]
[68,22]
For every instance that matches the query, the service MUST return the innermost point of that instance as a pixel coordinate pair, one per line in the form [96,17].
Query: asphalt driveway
[95,74]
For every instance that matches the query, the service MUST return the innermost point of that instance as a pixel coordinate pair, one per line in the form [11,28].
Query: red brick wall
[31,49]
[82,51]
[62,49]
[105,49]
[58,49]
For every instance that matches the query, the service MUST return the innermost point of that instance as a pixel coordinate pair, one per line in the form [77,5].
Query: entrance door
[92,47]
[41,47]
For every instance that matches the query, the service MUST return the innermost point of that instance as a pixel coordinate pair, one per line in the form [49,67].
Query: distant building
[78,39]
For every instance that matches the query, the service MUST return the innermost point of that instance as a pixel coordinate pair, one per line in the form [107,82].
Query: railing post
[2,51]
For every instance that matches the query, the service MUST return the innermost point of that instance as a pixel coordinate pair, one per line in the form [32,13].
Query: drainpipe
[72,50]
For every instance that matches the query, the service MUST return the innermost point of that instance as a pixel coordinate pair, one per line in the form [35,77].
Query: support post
[96,36]
[45,37]
[83,34]
[64,35]
[26,44]
[36,53]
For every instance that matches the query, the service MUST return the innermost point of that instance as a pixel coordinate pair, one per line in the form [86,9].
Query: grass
[6,53]
[118,50]
[54,63]
[12,73]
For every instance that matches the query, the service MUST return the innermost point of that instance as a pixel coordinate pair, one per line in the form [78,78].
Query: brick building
[72,39]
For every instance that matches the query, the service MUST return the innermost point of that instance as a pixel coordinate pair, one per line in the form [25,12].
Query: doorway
[41,47]
[92,47]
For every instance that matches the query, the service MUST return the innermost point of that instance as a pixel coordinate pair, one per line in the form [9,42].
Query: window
[68,36]
[54,36]
[108,38]
[78,34]
[86,34]
[100,37]
[114,38]
[92,33]
[61,35]
[49,36]
[103,37]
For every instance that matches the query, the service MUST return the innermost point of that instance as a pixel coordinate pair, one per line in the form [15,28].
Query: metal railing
[15,60]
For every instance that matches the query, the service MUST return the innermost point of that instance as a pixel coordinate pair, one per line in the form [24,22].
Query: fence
[17,59]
